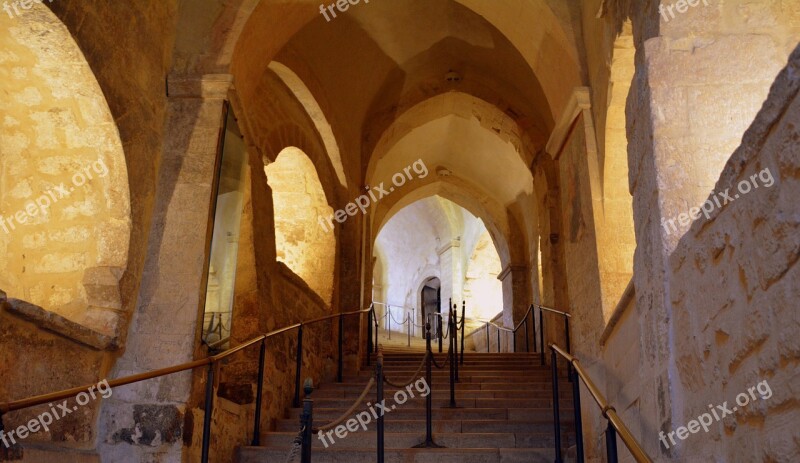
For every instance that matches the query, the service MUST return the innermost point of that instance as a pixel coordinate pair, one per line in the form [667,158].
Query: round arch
[64,194]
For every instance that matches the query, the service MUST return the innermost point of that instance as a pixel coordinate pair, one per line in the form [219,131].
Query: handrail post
[298,366]
[487,338]
[541,333]
[340,365]
[463,327]
[379,380]
[498,339]
[440,325]
[408,329]
[306,423]
[375,344]
[389,320]
[576,404]
[369,334]
[429,443]
[533,321]
[556,417]
[452,366]
[566,330]
[454,329]
[259,394]
[611,444]
[527,346]
[209,410]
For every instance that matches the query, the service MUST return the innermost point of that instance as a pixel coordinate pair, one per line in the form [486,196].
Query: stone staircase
[504,414]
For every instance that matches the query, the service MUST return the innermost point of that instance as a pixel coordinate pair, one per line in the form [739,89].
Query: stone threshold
[57,324]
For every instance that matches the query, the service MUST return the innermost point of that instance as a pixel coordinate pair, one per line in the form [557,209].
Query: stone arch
[64,193]
[315,113]
[618,236]
[461,105]
[301,241]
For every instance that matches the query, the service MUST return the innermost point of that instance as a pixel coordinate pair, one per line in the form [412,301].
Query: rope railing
[414,376]
[349,411]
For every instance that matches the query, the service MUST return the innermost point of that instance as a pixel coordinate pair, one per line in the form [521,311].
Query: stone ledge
[57,324]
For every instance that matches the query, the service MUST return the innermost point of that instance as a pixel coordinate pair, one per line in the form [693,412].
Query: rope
[433,357]
[397,322]
[413,377]
[296,449]
[349,412]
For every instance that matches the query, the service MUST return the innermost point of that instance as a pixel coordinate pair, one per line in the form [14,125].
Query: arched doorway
[430,302]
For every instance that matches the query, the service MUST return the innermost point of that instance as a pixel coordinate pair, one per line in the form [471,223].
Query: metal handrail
[553,310]
[609,412]
[66,393]
[211,362]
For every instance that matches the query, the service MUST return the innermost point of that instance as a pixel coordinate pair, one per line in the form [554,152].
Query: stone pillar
[145,421]
[451,264]
[702,80]
[516,282]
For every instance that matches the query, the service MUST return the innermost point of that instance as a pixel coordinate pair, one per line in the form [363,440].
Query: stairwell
[504,413]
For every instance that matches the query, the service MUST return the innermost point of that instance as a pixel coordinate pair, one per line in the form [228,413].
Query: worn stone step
[466,386]
[453,426]
[439,401]
[403,440]
[324,415]
[333,455]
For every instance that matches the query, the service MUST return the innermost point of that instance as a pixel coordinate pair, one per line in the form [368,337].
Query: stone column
[145,421]
[515,281]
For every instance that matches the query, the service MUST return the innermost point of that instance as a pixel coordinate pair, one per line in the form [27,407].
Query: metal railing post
[576,404]
[611,444]
[340,365]
[463,327]
[440,325]
[541,334]
[209,410]
[429,443]
[556,416]
[527,346]
[259,394]
[566,330]
[408,328]
[369,334]
[379,380]
[487,338]
[298,366]
[375,344]
[533,321]
[306,423]
[452,366]
[454,329]
[498,339]
[389,320]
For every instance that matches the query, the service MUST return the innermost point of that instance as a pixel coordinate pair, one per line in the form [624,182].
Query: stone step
[454,426]
[465,386]
[446,378]
[403,440]
[439,402]
[333,455]
[354,392]
[324,415]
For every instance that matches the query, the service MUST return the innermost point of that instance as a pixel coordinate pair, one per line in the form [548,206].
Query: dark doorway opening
[431,304]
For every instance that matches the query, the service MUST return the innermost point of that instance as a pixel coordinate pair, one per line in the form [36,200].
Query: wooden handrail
[67,393]
[609,412]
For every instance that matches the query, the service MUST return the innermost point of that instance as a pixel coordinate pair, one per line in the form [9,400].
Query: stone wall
[744,332]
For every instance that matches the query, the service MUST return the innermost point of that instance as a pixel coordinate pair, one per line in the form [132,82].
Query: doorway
[431,297]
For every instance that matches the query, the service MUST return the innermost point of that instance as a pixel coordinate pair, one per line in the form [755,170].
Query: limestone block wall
[65,205]
[744,331]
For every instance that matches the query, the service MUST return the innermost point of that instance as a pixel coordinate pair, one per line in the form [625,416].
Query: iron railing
[212,363]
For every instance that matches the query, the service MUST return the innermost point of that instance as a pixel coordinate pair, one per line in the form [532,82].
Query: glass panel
[225,238]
